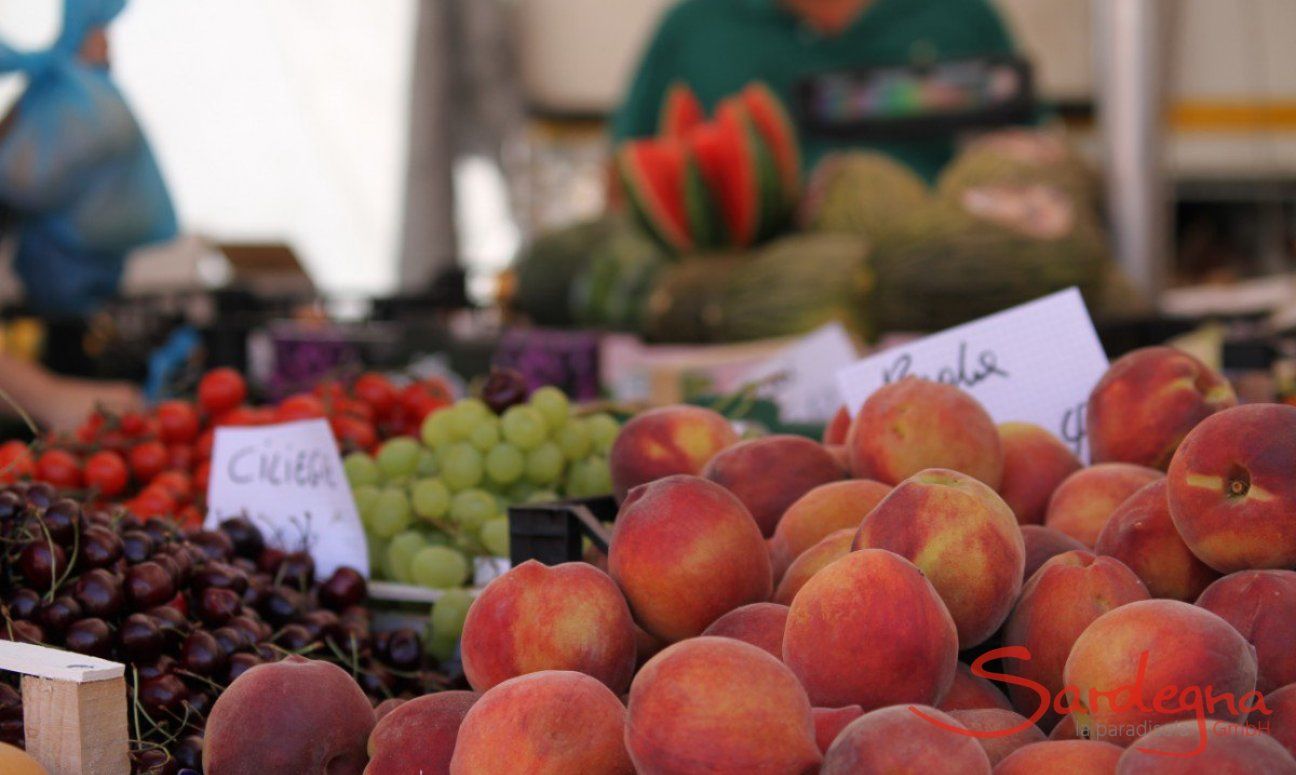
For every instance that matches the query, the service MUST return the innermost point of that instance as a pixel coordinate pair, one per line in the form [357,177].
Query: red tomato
[355,408]
[203,446]
[239,416]
[15,461]
[302,406]
[329,391]
[377,391]
[419,399]
[201,475]
[220,390]
[147,460]
[178,483]
[181,457]
[189,518]
[106,472]
[90,429]
[133,425]
[353,433]
[177,421]
[152,502]
[60,468]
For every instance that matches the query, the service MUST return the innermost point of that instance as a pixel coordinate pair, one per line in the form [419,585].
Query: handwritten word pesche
[962,373]
[306,468]
[1170,700]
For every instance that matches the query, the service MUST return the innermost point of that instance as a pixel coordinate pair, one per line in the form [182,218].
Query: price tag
[288,480]
[1033,363]
[804,374]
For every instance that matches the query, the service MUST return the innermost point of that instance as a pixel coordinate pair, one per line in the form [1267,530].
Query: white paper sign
[288,480]
[806,388]
[1034,363]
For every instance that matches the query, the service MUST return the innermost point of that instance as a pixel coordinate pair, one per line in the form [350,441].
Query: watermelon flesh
[681,112]
[726,158]
[776,129]
[653,175]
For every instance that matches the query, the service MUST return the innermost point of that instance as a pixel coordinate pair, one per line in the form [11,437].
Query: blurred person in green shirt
[718,46]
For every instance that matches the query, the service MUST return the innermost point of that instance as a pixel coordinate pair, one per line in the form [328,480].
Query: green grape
[436,429]
[366,495]
[462,467]
[495,536]
[521,491]
[574,441]
[464,416]
[430,498]
[398,457]
[390,513]
[427,464]
[400,550]
[436,538]
[574,481]
[440,647]
[545,464]
[377,551]
[552,404]
[542,496]
[485,434]
[603,430]
[448,613]
[360,469]
[505,464]
[598,476]
[471,508]
[523,427]
[438,567]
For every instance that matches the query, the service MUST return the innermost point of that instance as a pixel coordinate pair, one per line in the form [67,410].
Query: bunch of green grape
[429,508]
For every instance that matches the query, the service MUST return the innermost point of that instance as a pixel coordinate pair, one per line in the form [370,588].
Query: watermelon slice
[725,153]
[771,205]
[681,112]
[652,173]
[778,132]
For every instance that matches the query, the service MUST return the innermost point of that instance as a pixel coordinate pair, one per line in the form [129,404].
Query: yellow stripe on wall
[1203,116]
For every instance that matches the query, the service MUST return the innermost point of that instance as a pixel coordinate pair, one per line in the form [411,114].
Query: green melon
[1020,156]
[546,269]
[620,273]
[681,111]
[653,176]
[863,193]
[685,303]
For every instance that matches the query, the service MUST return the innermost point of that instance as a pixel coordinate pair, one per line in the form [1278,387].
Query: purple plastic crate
[567,359]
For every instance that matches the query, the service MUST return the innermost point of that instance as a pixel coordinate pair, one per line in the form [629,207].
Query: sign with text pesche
[288,480]
[1034,363]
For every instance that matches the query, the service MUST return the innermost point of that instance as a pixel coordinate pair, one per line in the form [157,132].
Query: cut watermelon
[652,173]
[725,152]
[681,112]
[778,132]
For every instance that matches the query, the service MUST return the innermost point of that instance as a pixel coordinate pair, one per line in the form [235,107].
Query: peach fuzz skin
[896,739]
[972,692]
[998,721]
[825,509]
[1035,463]
[760,624]
[769,474]
[666,441]
[1260,604]
[1222,747]
[833,547]
[1073,757]
[1082,504]
[1043,543]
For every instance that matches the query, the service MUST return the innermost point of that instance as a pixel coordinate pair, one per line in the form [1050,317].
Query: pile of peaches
[924,591]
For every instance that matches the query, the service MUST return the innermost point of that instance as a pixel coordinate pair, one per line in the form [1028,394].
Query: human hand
[68,402]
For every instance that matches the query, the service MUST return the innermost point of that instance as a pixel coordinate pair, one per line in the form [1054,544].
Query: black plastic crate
[552,533]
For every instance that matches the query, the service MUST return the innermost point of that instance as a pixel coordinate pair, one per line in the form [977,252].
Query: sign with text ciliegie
[288,480]
[1033,363]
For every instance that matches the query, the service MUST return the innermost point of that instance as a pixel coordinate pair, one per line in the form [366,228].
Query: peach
[1187,748]
[972,692]
[839,454]
[829,722]
[1057,604]
[295,715]
[1035,463]
[897,739]
[833,547]
[760,624]
[962,535]
[915,424]
[549,723]
[718,705]
[646,646]
[662,442]
[825,509]
[770,473]
[419,735]
[1081,505]
[1260,604]
[1073,757]
[1147,402]
[870,630]
[1280,721]
[15,761]
[1141,534]
[536,617]
[999,724]
[837,428]
[685,551]
[1141,665]
[1043,543]
[1232,492]
[385,707]
[1066,730]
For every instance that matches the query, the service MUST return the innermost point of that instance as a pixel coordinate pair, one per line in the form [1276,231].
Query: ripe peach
[295,715]
[897,739]
[999,721]
[1141,534]
[1147,402]
[666,441]
[535,617]
[1081,505]
[839,454]
[1043,543]
[15,761]
[1261,604]
[972,692]
[829,722]
[718,705]
[825,509]
[834,546]
[1059,602]
[915,424]
[1280,721]
[962,535]
[837,428]
[1035,463]
[383,708]
[552,722]
[685,551]
[1143,663]
[419,735]
[1187,748]
[1073,757]
[1232,493]
[870,630]
[760,624]
[770,473]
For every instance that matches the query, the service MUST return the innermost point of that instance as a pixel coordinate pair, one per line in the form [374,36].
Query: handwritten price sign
[288,480]
[1034,363]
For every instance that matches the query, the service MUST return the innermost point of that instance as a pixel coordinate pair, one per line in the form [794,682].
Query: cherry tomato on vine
[106,472]
[60,468]
[147,460]
[177,422]
[220,390]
